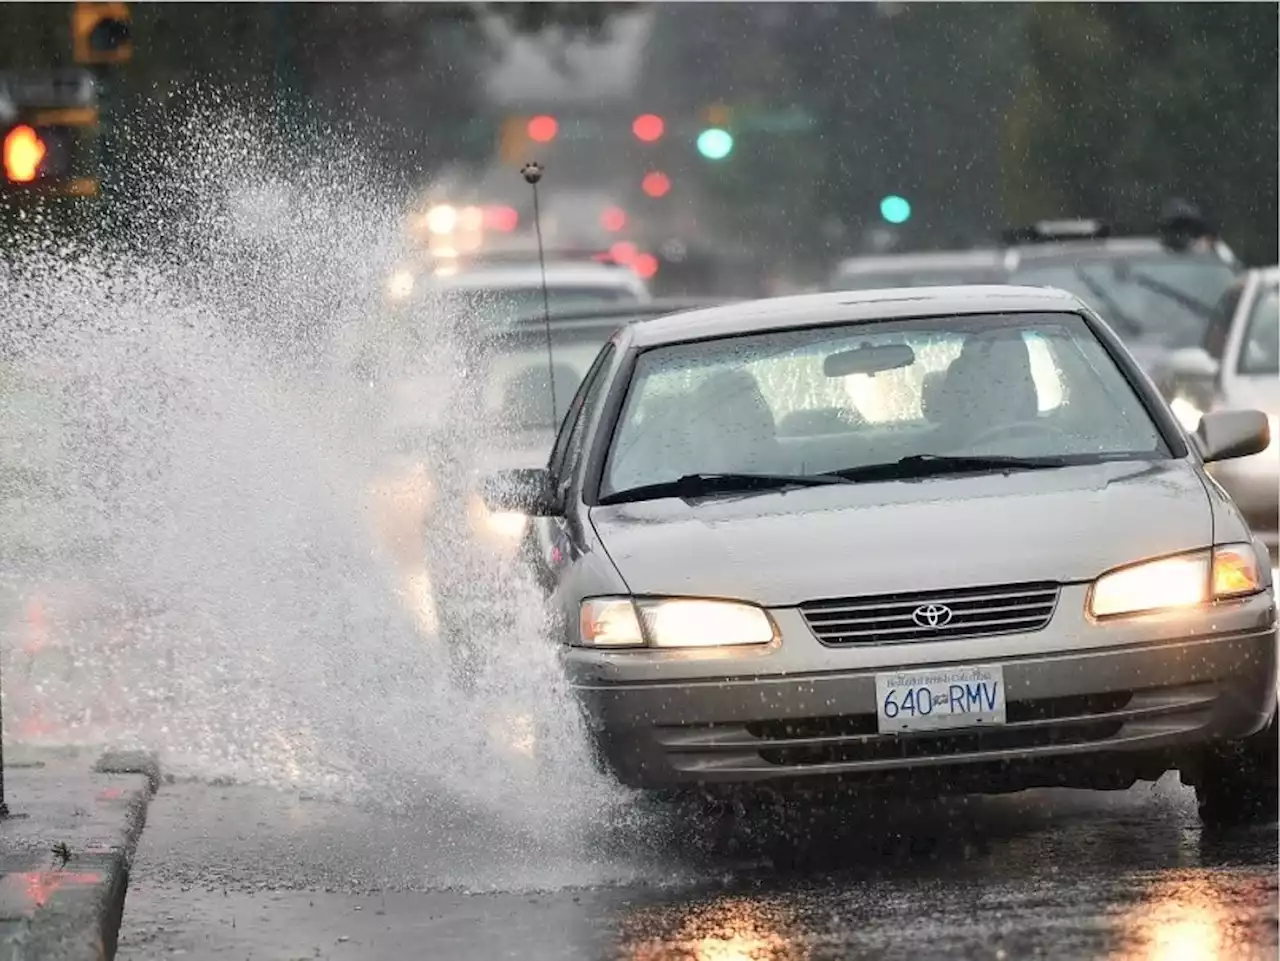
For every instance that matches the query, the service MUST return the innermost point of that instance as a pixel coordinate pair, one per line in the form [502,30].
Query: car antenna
[532,173]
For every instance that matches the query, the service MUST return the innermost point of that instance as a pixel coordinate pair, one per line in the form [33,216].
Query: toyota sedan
[931,540]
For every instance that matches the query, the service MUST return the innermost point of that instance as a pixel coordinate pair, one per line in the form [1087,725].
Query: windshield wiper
[929,465]
[692,486]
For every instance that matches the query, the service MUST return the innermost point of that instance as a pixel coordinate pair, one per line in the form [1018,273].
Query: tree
[1126,105]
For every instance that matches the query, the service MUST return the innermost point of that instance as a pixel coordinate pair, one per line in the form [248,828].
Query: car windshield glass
[1261,348]
[824,399]
[517,393]
[1168,299]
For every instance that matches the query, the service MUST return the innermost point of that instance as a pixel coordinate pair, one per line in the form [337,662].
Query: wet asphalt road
[250,873]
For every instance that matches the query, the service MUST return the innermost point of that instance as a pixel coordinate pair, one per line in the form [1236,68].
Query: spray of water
[196,423]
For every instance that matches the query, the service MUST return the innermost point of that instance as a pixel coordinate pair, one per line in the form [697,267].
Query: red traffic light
[24,152]
[648,127]
[613,219]
[543,128]
[655,183]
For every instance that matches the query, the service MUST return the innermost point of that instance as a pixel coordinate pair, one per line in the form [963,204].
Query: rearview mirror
[1192,363]
[526,490]
[1224,434]
[871,359]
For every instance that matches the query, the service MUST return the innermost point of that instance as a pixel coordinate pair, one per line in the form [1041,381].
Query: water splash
[195,414]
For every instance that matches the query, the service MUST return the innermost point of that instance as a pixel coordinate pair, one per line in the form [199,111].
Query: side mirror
[1191,363]
[526,490]
[1224,434]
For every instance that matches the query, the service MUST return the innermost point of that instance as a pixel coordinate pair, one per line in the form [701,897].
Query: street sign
[71,87]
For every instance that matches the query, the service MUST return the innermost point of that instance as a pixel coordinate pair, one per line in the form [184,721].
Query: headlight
[506,526]
[1187,580]
[1188,414]
[400,285]
[618,622]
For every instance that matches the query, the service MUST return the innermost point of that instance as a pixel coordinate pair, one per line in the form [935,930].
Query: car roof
[1102,249]
[846,307]
[920,260]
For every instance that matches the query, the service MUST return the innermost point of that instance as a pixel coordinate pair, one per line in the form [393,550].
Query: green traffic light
[715,144]
[895,209]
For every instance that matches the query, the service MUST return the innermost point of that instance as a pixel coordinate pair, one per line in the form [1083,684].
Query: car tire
[1238,783]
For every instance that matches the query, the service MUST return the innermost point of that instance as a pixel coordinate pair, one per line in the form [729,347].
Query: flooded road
[252,874]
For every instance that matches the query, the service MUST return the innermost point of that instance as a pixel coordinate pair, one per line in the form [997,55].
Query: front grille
[896,618]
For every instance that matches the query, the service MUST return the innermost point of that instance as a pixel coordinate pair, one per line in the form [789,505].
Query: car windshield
[1260,352]
[824,399]
[1168,299]
[517,393]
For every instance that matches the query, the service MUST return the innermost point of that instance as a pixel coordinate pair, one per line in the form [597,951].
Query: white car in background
[1238,367]
[518,287]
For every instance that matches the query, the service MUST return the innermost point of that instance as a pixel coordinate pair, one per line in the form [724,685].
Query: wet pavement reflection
[1128,876]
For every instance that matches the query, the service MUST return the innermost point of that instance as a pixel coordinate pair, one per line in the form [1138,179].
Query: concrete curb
[56,910]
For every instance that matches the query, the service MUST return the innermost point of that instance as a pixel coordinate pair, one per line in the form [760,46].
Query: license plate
[939,699]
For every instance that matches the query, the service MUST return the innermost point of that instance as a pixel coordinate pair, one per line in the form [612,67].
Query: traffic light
[543,128]
[655,183]
[715,143]
[895,209]
[648,127]
[37,155]
[101,33]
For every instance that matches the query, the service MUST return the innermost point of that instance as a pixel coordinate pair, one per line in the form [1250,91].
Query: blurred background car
[931,269]
[1236,366]
[1157,294]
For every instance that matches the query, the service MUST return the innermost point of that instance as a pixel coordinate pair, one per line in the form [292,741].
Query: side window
[1215,336]
[589,402]
[570,428]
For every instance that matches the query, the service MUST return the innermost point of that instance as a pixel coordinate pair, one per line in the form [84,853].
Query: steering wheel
[1022,428]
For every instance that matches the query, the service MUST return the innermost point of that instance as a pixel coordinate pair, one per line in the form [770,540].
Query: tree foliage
[1125,105]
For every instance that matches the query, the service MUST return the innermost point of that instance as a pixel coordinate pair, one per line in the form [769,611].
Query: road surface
[248,873]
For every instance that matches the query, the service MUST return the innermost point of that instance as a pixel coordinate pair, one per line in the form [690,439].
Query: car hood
[781,549]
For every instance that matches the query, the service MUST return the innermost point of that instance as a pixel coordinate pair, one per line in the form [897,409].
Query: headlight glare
[1169,583]
[617,622]
[695,623]
[507,526]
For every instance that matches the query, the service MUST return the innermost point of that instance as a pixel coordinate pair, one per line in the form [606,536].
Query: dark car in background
[937,268]
[1158,298]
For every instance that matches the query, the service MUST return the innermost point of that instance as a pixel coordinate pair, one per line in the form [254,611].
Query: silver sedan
[1238,366]
[929,540]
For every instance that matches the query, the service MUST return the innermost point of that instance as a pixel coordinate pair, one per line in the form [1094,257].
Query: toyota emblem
[932,615]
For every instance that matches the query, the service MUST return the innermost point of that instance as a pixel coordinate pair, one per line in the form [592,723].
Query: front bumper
[1088,704]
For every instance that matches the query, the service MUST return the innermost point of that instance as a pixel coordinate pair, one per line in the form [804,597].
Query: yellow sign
[101,33]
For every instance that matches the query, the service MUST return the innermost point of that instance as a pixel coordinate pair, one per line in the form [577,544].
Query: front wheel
[1239,783]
